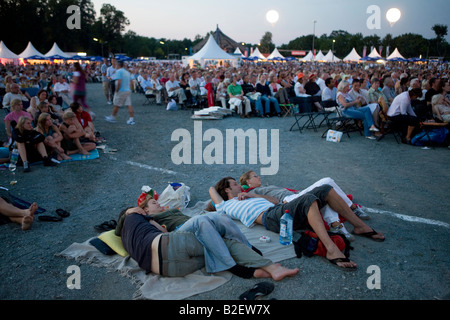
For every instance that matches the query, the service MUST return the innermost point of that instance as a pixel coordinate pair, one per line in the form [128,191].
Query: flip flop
[62,213]
[106,226]
[335,262]
[259,290]
[369,235]
[50,218]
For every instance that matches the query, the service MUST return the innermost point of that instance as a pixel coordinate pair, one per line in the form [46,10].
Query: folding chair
[149,95]
[305,111]
[343,124]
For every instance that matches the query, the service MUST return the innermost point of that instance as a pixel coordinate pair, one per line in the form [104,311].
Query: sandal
[369,235]
[49,218]
[106,226]
[337,260]
[62,213]
[259,290]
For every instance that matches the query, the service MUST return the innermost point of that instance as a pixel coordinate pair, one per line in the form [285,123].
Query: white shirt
[401,105]
[328,94]
[59,87]
[170,85]
[297,87]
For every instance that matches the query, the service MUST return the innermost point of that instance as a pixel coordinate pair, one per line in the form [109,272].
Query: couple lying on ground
[172,244]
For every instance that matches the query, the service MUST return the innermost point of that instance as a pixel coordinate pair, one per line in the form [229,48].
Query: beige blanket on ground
[151,286]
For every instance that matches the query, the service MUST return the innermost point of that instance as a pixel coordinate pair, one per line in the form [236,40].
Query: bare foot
[84,152]
[27,221]
[260,273]
[65,156]
[32,209]
[278,272]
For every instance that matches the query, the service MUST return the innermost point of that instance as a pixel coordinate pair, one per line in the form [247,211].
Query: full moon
[393,15]
[272,16]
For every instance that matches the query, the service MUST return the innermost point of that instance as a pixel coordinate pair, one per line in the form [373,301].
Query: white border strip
[144,166]
[409,218]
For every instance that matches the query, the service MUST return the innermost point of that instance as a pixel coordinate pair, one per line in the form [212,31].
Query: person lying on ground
[252,208]
[178,253]
[24,217]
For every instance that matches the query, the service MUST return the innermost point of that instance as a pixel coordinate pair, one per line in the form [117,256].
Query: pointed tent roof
[224,42]
[395,55]
[5,53]
[308,57]
[374,54]
[275,54]
[211,50]
[352,56]
[330,57]
[30,52]
[257,54]
[319,56]
[56,53]
[238,51]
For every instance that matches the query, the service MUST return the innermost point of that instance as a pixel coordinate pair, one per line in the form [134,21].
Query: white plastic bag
[172,105]
[334,136]
[175,196]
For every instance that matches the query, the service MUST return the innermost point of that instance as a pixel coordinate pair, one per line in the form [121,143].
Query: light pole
[332,49]
[314,35]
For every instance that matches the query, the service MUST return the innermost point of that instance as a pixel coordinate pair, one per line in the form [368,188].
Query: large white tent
[5,53]
[30,52]
[352,56]
[396,55]
[275,55]
[308,57]
[330,57]
[211,52]
[257,54]
[319,56]
[374,54]
[56,53]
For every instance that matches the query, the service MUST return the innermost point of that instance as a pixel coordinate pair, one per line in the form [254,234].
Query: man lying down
[172,244]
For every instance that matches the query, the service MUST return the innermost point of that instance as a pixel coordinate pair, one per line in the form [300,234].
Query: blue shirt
[125,77]
[247,211]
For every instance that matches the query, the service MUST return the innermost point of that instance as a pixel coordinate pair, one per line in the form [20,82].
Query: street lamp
[332,49]
[101,43]
[314,35]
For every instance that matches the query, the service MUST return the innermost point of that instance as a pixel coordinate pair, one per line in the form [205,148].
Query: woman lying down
[187,244]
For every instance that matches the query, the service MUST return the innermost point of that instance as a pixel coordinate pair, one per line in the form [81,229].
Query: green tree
[266,44]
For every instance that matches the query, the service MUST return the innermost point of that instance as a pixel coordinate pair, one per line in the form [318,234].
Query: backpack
[309,244]
[437,136]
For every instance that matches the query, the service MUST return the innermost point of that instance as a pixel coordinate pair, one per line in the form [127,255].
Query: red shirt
[84,118]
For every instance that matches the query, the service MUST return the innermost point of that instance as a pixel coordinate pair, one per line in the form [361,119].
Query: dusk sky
[245,20]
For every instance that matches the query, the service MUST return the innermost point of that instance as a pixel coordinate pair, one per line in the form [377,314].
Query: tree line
[44,22]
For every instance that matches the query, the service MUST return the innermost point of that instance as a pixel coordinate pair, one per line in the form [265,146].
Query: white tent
[30,52]
[56,53]
[319,56]
[308,57]
[275,55]
[395,55]
[257,54]
[5,53]
[352,56]
[211,52]
[374,54]
[330,57]
[238,51]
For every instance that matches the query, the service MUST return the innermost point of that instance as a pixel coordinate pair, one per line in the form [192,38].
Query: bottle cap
[264,239]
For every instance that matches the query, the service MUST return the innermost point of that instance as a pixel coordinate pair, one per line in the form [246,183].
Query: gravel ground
[385,177]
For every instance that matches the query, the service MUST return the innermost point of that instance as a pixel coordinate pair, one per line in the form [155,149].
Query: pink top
[15,116]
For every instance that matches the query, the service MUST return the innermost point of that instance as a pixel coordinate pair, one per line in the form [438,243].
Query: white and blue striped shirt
[244,210]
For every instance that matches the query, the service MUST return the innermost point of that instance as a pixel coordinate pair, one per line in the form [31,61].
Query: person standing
[122,95]
[105,81]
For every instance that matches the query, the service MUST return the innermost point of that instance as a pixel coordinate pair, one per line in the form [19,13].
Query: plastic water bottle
[286,229]
[13,165]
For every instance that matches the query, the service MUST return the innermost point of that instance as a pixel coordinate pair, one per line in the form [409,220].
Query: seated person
[350,109]
[54,106]
[44,107]
[178,253]
[174,90]
[84,118]
[266,94]
[41,96]
[252,208]
[194,86]
[251,182]
[53,136]
[62,89]
[72,132]
[221,91]
[159,90]
[14,93]
[9,212]
[329,93]
[356,92]
[313,89]
[401,113]
[30,144]
[440,110]
[237,98]
[13,117]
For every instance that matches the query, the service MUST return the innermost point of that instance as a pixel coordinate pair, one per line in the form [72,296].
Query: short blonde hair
[68,115]
[342,85]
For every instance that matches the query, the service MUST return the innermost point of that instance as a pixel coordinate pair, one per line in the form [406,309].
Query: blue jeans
[258,106]
[362,113]
[209,229]
[267,100]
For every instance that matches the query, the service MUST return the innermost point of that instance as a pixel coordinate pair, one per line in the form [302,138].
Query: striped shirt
[244,210]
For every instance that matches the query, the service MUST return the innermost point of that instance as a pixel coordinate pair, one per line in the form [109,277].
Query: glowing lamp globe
[393,15]
[272,16]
